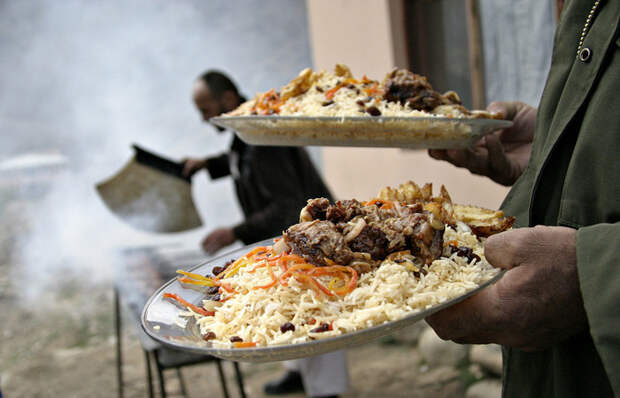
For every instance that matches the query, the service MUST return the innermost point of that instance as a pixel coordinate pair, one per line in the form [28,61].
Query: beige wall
[368,35]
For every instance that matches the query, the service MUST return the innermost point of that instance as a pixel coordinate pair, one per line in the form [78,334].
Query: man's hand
[217,239]
[502,155]
[192,165]
[537,302]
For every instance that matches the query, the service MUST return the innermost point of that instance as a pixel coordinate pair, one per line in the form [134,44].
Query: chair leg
[239,379]
[119,352]
[149,375]
[160,375]
[222,378]
[181,382]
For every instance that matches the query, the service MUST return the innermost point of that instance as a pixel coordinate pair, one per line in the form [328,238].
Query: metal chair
[143,271]
[164,358]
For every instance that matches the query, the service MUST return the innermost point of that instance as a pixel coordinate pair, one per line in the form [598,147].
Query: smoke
[88,79]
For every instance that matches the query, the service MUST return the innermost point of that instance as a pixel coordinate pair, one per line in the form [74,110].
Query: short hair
[218,83]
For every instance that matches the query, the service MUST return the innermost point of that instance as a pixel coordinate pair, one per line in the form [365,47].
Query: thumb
[508,110]
[500,249]
[500,108]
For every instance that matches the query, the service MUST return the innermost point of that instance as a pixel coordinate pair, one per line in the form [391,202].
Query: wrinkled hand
[217,239]
[192,165]
[503,154]
[534,305]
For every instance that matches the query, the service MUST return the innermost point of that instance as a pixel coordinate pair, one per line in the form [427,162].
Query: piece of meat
[349,232]
[316,209]
[371,240]
[415,91]
[317,241]
[344,211]
[424,100]
[401,84]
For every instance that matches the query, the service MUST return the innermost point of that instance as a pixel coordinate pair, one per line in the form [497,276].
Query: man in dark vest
[556,311]
[272,185]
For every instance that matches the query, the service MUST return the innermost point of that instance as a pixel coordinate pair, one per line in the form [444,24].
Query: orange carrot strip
[274,280]
[293,257]
[269,257]
[372,90]
[255,251]
[267,102]
[331,270]
[274,258]
[234,267]
[194,308]
[313,283]
[353,281]
[320,286]
[244,344]
[384,203]
[225,286]
[332,91]
[349,284]
[261,265]
[305,279]
[294,269]
[283,265]
[237,264]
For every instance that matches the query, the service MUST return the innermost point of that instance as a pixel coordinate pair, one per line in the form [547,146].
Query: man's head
[214,94]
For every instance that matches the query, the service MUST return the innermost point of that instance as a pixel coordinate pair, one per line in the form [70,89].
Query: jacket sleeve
[277,179]
[218,166]
[598,263]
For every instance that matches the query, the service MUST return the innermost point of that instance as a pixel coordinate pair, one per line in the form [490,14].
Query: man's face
[206,104]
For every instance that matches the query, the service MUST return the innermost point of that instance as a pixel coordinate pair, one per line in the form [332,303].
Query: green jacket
[573,179]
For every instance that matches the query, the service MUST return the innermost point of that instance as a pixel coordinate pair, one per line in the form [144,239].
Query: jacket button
[585,54]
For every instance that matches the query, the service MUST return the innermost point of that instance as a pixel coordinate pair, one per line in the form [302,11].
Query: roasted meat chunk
[350,231]
[414,90]
[370,240]
[316,209]
[317,241]
[344,211]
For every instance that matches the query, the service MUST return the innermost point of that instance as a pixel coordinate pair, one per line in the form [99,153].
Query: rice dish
[344,267]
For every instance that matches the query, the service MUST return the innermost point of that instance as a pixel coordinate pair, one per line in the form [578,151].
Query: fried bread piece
[483,222]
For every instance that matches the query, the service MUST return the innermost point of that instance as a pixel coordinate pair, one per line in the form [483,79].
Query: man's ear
[230,100]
